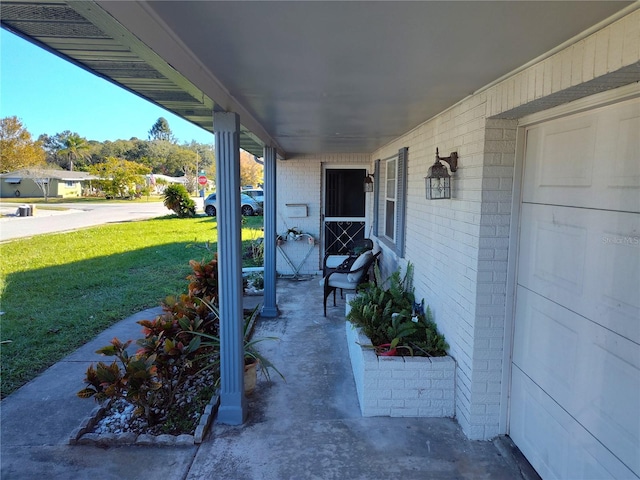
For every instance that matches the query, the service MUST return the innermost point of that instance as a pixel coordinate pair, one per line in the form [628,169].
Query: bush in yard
[177,198]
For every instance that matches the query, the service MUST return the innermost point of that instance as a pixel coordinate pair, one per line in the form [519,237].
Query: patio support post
[269,308]
[232,409]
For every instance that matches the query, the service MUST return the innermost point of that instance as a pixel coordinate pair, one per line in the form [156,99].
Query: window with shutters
[389,213]
[390,198]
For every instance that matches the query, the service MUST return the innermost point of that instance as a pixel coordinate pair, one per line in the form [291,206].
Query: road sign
[202,180]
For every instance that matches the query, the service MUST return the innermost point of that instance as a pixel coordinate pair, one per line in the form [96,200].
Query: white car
[248,205]
[256,193]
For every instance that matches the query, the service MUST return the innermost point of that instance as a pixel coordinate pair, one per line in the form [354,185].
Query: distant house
[60,183]
[158,182]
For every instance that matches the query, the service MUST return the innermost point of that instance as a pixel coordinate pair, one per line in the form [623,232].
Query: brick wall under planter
[400,386]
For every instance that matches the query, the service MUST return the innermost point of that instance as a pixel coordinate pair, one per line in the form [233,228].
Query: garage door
[575,393]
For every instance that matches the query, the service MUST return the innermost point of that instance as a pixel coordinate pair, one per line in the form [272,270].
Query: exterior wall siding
[459,247]
[29,189]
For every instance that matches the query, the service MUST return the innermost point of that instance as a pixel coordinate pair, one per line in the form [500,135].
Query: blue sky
[51,95]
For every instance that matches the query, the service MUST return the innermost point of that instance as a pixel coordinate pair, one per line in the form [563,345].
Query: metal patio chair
[348,278]
[332,260]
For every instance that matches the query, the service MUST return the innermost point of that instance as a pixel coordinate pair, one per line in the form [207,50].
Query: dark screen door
[344,208]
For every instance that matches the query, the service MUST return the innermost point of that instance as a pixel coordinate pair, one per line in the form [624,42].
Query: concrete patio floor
[308,427]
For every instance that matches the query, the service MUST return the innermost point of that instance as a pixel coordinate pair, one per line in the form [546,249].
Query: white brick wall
[592,64]
[459,247]
[299,180]
[400,386]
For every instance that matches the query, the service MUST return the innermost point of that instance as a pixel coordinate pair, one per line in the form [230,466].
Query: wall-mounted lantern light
[368,182]
[438,179]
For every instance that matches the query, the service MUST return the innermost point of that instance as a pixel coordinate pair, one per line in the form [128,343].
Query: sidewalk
[307,428]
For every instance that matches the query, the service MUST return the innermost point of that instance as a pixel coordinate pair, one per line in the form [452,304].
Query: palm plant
[74,147]
[251,353]
[177,198]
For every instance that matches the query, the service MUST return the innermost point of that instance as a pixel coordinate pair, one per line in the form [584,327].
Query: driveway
[77,215]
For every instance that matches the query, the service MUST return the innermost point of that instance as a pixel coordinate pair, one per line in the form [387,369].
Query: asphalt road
[78,215]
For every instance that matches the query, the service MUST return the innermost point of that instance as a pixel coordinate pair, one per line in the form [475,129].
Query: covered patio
[527,262]
[307,427]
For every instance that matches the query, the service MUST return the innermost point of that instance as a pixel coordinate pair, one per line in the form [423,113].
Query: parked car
[256,193]
[248,205]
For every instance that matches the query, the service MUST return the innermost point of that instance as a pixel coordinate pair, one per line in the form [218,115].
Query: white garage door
[575,393]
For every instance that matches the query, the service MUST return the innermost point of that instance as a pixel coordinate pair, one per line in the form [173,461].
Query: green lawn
[60,290]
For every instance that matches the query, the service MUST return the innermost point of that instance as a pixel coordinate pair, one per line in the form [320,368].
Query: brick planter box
[401,386]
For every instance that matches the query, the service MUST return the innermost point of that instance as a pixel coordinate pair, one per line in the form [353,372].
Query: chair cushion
[360,262]
[341,280]
[334,261]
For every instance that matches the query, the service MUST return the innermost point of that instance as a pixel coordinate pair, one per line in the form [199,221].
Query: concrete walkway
[307,428]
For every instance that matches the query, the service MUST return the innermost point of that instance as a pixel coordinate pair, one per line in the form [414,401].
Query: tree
[251,172]
[42,179]
[17,149]
[161,131]
[75,147]
[120,178]
[52,144]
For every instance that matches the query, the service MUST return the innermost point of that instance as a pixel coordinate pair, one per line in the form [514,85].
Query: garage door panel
[575,394]
[592,373]
[588,260]
[626,171]
[553,442]
[590,160]
[616,279]
[543,340]
[608,412]
[553,249]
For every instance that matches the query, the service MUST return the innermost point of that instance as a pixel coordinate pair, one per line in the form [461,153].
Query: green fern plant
[387,313]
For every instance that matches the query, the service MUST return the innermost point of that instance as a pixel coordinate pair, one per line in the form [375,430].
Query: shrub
[170,352]
[177,198]
[203,282]
[391,316]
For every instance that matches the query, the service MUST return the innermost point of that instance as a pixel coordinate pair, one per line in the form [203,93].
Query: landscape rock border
[83,435]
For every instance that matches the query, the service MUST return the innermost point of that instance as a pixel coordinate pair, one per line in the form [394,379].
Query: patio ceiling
[305,77]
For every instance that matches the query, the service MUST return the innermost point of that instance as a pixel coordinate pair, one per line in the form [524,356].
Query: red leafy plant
[170,352]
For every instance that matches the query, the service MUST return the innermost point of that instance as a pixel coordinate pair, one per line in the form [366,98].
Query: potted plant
[388,315]
[253,358]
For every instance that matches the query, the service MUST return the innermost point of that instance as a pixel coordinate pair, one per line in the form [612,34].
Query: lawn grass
[61,290]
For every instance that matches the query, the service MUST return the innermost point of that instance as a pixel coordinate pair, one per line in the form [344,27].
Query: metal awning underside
[305,77]
[119,58]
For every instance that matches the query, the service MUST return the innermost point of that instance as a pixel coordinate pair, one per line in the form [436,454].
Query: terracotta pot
[385,350]
[250,376]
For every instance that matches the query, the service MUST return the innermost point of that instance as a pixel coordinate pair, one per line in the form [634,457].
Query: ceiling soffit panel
[140,17]
[351,76]
[86,36]
[306,77]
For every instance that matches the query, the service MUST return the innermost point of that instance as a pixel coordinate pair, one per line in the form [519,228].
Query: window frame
[390,182]
[397,243]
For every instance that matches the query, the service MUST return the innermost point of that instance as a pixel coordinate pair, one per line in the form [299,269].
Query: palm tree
[74,147]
